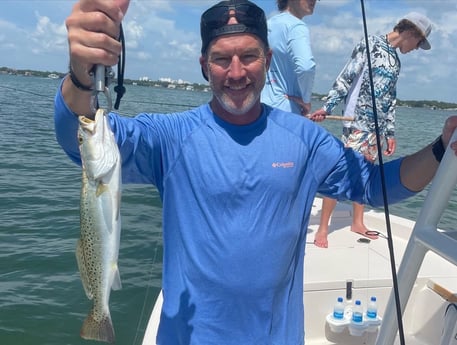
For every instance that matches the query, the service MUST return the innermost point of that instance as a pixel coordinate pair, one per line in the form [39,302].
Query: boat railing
[424,237]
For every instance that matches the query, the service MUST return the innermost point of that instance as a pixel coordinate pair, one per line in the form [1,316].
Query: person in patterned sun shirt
[353,87]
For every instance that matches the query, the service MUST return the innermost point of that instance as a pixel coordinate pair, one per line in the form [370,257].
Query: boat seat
[445,287]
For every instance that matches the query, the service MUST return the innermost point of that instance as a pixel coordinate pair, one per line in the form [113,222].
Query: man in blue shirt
[237,178]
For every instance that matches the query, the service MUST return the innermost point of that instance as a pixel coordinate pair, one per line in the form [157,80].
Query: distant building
[172,81]
[165,80]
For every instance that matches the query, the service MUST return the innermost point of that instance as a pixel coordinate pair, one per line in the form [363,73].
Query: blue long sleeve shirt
[292,67]
[236,207]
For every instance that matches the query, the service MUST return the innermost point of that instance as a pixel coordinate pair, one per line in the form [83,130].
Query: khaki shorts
[362,142]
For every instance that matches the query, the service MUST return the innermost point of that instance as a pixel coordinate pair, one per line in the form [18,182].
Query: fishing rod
[337,118]
[383,184]
[104,75]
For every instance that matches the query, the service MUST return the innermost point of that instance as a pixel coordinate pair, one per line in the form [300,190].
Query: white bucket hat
[423,24]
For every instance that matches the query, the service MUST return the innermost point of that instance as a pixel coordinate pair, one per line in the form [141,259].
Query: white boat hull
[367,267]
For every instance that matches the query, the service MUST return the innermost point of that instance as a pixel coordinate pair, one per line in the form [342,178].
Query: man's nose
[236,68]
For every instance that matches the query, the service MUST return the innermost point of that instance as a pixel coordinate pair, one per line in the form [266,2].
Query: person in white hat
[423,28]
[353,86]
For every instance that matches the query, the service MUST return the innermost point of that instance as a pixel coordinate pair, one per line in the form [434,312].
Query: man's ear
[204,66]
[268,58]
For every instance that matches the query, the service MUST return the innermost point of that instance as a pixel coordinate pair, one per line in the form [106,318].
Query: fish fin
[116,284]
[82,270]
[98,330]
[101,188]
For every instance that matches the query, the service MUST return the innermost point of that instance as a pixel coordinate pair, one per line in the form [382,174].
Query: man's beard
[227,103]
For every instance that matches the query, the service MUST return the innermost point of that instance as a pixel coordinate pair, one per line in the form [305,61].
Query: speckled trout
[98,247]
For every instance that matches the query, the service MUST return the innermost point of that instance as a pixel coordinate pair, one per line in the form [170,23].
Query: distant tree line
[29,72]
[198,87]
[427,104]
[412,104]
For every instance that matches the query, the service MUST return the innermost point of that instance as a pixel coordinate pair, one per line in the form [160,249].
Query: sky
[163,39]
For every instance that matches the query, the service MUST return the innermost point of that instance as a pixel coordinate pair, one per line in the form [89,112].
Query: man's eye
[249,58]
[221,59]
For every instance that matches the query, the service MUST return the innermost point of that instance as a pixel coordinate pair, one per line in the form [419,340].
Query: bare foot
[363,232]
[320,239]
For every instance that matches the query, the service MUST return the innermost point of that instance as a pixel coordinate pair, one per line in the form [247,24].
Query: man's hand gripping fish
[98,247]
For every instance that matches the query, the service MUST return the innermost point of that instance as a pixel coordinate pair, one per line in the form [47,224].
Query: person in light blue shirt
[292,67]
[237,178]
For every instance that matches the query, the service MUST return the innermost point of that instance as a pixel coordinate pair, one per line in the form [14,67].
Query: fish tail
[101,330]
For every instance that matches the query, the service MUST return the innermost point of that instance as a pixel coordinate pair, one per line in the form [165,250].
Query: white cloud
[134,32]
[48,36]
[163,39]
[143,56]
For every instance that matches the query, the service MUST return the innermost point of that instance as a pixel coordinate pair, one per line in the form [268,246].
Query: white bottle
[338,309]
[372,308]
[357,312]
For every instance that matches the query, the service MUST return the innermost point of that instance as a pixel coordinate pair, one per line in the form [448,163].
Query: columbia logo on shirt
[284,165]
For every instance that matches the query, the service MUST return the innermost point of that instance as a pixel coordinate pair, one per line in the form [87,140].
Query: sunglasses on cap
[245,13]
[250,19]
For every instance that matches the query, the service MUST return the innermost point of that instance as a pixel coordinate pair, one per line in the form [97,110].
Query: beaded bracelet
[438,148]
[78,84]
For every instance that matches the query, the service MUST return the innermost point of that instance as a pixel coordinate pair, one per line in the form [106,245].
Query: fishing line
[146,298]
[25,91]
[383,184]
[51,98]
[163,103]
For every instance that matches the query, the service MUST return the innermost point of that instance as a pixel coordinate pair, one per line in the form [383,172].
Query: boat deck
[367,267]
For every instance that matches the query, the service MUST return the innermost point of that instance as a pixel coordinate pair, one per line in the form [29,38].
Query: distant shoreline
[430,104]
[434,105]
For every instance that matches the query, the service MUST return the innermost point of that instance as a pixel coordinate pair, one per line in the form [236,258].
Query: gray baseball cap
[423,24]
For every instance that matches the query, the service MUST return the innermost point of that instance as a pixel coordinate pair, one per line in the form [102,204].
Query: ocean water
[42,301]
